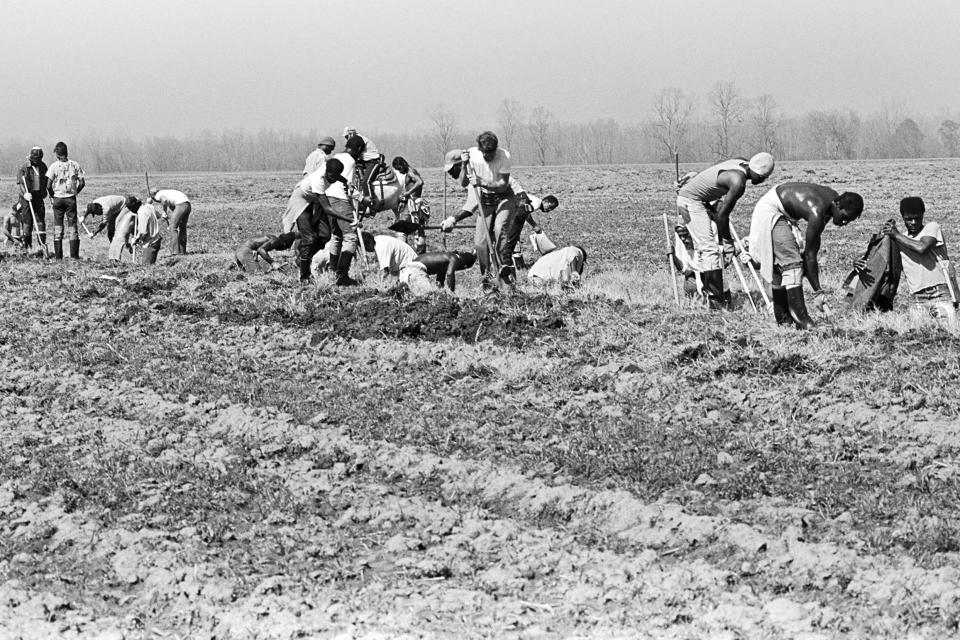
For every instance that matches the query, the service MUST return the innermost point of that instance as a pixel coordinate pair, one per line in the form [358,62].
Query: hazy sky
[176,67]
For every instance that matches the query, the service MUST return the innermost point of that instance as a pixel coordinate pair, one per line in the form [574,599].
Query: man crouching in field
[253,256]
[441,264]
[926,265]
[784,256]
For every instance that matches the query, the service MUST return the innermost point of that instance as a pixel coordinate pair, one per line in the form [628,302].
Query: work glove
[447,225]
[27,196]
[465,156]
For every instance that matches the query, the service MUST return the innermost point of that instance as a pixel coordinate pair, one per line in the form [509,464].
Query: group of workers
[325,211]
[130,223]
[782,254]
[323,223]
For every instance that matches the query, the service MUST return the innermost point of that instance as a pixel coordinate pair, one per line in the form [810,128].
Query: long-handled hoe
[36,227]
[357,222]
[670,245]
[767,304]
[494,258]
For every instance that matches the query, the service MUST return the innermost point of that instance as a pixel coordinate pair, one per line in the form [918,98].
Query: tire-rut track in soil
[285,448]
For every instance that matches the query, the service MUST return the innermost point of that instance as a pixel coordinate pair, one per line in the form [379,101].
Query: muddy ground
[192,452]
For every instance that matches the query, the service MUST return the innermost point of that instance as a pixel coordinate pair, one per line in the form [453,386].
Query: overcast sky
[177,67]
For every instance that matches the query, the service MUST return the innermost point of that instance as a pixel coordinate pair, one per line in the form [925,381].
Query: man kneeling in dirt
[441,264]
[12,234]
[561,265]
[926,265]
[248,256]
[784,255]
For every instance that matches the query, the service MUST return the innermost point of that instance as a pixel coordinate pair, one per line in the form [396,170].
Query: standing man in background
[33,174]
[319,155]
[65,181]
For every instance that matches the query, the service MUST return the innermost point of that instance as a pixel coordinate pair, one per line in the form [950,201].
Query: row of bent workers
[323,218]
[780,253]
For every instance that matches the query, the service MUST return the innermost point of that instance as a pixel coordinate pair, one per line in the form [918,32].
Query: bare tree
[909,139]
[950,136]
[766,125]
[541,127]
[727,108]
[445,123]
[510,118]
[671,119]
[831,135]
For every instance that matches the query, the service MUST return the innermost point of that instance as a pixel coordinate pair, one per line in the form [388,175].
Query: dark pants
[65,214]
[26,219]
[178,228]
[148,253]
[314,228]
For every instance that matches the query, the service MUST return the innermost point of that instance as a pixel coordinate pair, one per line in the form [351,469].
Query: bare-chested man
[725,182]
[441,264]
[253,256]
[775,242]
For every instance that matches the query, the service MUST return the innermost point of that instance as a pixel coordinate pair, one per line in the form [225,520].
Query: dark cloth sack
[877,285]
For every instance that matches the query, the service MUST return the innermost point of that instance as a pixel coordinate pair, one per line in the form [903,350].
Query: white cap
[348,130]
[762,164]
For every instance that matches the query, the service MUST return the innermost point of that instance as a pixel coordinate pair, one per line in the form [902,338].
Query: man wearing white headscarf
[710,228]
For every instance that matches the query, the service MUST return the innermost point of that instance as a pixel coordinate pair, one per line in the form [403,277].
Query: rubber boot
[58,249]
[343,270]
[781,309]
[713,288]
[304,270]
[334,261]
[798,308]
[75,249]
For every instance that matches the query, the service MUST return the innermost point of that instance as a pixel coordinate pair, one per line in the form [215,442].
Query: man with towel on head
[708,229]
[785,255]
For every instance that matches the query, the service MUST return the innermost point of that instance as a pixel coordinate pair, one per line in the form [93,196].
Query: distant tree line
[721,124]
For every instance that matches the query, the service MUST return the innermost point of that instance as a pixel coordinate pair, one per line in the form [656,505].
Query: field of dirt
[190,452]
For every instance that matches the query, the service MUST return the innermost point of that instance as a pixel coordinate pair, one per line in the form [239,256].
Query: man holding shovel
[710,230]
[174,206]
[32,182]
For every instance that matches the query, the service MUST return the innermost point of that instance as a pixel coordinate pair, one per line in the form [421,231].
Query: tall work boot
[713,287]
[781,309]
[58,249]
[343,270]
[75,249]
[334,261]
[304,270]
[798,308]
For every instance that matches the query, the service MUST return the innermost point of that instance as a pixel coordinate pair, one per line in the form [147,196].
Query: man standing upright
[345,239]
[775,242]
[487,167]
[725,182]
[368,160]
[65,181]
[32,183]
[319,155]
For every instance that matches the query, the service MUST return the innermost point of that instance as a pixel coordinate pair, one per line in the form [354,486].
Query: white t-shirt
[551,266]
[393,254]
[924,270]
[315,183]
[110,204]
[147,224]
[490,171]
[336,189]
[315,161]
[65,178]
[171,197]
[370,152]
